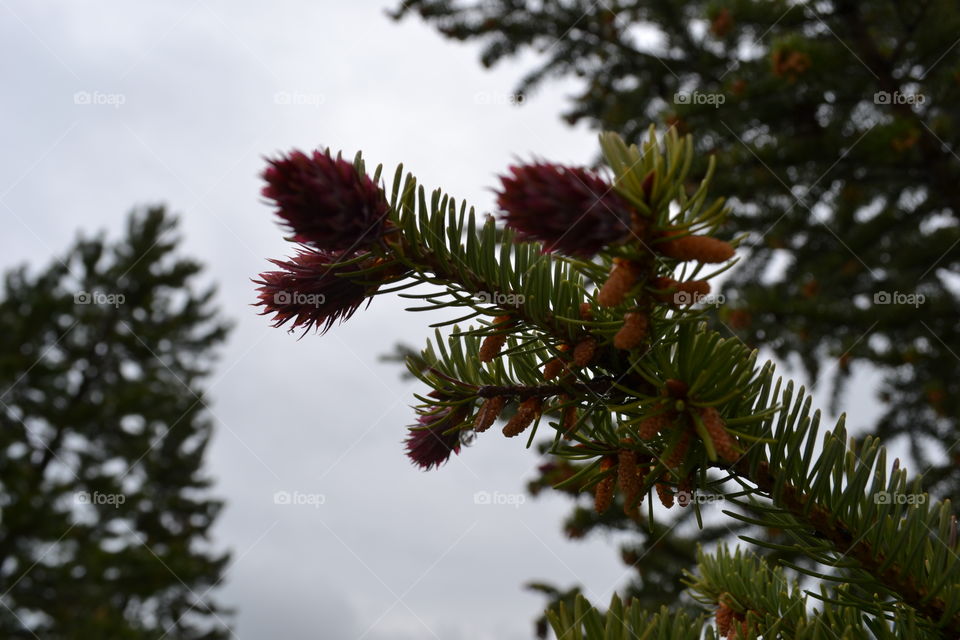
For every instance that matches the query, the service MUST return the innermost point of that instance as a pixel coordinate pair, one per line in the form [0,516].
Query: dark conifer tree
[106,510]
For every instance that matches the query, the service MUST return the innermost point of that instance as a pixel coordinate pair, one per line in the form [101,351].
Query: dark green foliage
[859,189]
[105,507]
[836,131]
[682,413]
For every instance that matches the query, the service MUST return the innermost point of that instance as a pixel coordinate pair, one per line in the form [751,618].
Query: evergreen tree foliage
[836,132]
[602,349]
[105,507]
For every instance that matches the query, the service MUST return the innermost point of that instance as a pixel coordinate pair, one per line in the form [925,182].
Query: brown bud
[676,388]
[526,413]
[699,248]
[627,478]
[603,494]
[723,442]
[488,413]
[724,619]
[665,495]
[491,345]
[622,278]
[586,311]
[650,427]
[584,351]
[554,368]
[633,331]
[642,472]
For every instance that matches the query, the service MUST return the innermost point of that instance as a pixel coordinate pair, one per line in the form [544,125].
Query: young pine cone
[568,421]
[723,442]
[627,477]
[633,331]
[700,248]
[676,388]
[584,351]
[554,368]
[526,413]
[586,311]
[650,427]
[491,345]
[724,619]
[603,493]
[488,413]
[665,495]
[623,276]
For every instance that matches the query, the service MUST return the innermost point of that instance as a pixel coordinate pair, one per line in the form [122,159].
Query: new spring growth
[629,478]
[584,351]
[527,412]
[489,411]
[603,493]
[353,240]
[569,209]
[633,331]
[700,248]
[623,277]
[556,366]
[492,344]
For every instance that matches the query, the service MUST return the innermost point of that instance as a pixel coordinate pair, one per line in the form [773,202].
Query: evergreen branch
[878,559]
[646,390]
[599,386]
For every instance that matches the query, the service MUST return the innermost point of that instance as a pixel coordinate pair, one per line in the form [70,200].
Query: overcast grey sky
[109,104]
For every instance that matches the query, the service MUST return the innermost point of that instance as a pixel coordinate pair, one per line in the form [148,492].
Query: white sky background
[322,415]
[394,552]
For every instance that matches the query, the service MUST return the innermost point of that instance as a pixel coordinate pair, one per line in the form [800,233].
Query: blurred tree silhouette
[853,105]
[105,510]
